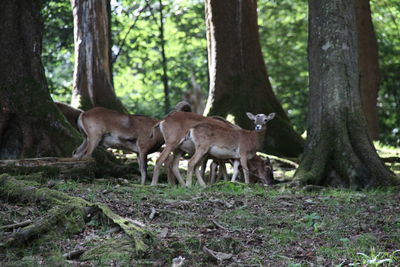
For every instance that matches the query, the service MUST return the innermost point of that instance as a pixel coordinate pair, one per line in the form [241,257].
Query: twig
[15,225]
[152,214]
[72,255]
[122,43]
[220,226]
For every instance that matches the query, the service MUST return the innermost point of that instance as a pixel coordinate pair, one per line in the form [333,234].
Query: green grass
[259,225]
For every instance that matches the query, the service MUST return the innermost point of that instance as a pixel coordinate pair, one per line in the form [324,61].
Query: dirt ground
[227,224]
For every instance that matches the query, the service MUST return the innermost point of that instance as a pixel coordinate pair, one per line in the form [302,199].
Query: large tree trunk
[164,61]
[368,66]
[93,84]
[338,150]
[238,77]
[30,123]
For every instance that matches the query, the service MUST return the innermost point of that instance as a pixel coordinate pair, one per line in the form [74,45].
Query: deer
[260,170]
[222,142]
[174,129]
[121,131]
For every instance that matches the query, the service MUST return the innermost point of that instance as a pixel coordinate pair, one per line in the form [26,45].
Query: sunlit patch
[230,118]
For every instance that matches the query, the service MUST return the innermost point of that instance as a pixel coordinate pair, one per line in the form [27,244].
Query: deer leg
[170,175]
[243,162]
[161,159]
[192,164]
[223,171]
[142,160]
[175,166]
[213,170]
[203,167]
[80,151]
[198,155]
[199,172]
[92,143]
[235,170]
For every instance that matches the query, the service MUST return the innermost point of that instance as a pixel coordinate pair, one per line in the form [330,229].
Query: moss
[112,251]
[141,237]
[67,215]
[46,171]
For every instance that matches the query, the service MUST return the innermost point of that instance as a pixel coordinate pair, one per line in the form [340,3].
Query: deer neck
[258,137]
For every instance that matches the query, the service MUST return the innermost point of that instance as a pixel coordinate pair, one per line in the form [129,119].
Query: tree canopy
[137,56]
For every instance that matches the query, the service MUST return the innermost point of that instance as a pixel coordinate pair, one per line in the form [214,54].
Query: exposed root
[66,213]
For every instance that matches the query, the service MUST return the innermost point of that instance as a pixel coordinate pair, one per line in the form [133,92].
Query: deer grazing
[121,131]
[174,129]
[222,142]
[260,170]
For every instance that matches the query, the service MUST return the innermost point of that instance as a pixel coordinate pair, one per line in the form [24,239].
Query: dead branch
[72,255]
[15,225]
[64,167]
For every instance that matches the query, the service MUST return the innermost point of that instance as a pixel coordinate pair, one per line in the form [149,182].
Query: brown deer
[260,171]
[174,128]
[121,131]
[222,142]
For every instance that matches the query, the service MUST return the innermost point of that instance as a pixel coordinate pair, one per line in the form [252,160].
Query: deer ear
[270,116]
[251,116]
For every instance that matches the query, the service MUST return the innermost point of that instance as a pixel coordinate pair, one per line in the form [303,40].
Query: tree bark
[164,61]
[238,76]
[93,84]
[338,150]
[30,123]
[368,66]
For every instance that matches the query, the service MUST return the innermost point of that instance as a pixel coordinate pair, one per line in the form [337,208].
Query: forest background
[137,58]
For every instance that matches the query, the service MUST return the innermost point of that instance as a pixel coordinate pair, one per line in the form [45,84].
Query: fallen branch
[72,255]
[15,225]
[62,167]
[220,226]
[283,162]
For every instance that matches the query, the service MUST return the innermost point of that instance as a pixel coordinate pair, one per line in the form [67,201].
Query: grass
[260,226]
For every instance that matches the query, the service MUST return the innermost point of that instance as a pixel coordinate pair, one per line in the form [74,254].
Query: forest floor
[226,224]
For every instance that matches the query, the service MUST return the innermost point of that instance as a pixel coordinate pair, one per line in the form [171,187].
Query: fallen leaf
[217,255]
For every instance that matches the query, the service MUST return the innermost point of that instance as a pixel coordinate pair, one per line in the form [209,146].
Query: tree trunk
[30,123]
[164,61]
[368,66]
[92,73]
[338,150]
[238,77]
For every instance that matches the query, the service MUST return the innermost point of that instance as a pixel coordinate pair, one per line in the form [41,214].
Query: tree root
[66,213]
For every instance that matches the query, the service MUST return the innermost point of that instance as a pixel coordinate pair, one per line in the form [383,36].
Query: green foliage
[138,69]
[58,48]
[378,258]
[283,35]
[384,15]
[311,220]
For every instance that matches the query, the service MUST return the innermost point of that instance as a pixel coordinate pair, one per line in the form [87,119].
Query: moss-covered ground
[241,225]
